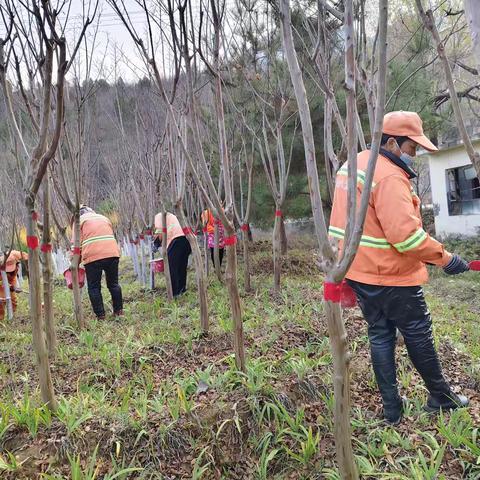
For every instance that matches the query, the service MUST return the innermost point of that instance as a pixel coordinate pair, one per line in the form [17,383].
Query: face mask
[405,157]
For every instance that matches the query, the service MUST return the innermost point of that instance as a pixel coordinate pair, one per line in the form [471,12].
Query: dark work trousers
[94,272]
[178,252]
[220,255]
[388,308]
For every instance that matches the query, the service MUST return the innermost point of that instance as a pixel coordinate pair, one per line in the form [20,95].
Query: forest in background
[124,120]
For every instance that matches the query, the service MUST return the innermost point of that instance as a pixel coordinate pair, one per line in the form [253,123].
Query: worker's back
[96,238]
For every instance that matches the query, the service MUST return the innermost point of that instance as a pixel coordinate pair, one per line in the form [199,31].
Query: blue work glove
[456,265]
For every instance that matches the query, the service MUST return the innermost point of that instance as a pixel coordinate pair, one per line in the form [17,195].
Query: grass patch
[148,397]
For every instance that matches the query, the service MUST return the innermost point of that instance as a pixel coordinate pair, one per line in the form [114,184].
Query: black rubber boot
[394,417]
[452,402]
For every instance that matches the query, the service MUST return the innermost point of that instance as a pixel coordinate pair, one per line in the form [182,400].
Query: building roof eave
[425,153]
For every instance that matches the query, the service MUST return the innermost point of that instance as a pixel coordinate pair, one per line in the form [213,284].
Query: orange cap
[407,124]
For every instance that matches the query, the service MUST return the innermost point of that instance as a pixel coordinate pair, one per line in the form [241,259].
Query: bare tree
[334,267]
[209,192]
[49,48]
[243,214]
[472,13]
[74,158]
[178,175]
[429,22]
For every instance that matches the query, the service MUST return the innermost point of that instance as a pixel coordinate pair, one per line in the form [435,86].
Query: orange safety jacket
[13,259]
[96,238]
[174,229]
[394,247]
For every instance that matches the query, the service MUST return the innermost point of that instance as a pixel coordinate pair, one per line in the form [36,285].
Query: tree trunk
[199,271]
[151,257]
[134,255]
[142,263]
[39,341]
[341,388]
[231,281]
[246,260]
[343,442]
[328,146]
[48,273]
[75,264]
[216,251]
[283,237]
[166,264]
[277,252]
[472,12]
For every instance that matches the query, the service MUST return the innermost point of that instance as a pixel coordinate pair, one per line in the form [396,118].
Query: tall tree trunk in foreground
[48,272]
[39,340]
[337,268]
[230,236]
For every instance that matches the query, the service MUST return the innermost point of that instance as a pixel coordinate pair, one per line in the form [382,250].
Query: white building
[455,190]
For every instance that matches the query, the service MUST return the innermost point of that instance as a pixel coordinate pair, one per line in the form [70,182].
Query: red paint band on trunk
[46,247]
[278,213]
[332,292]
[148,232]
[32,242]
[229,241]
[187,231]
[475,265]
[76,250]
[164,230]
[244,227]
[34,216]
[142,237]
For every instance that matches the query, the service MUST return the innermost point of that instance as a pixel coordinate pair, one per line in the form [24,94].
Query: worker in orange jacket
[100,253]
[11,268]
[390,265]
[178,251]
[208,221]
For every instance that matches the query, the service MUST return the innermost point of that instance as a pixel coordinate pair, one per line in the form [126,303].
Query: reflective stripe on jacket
[174,230]
[394,247]
[96,238]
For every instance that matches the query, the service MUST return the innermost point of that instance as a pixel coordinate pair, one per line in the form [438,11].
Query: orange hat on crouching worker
[407,124]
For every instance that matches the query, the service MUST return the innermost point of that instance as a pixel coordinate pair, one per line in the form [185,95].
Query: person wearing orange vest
[100,253]
[390,265]
[178,251]
[11,269]
[208,221]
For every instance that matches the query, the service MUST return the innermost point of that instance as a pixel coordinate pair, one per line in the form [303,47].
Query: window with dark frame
[463,191]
